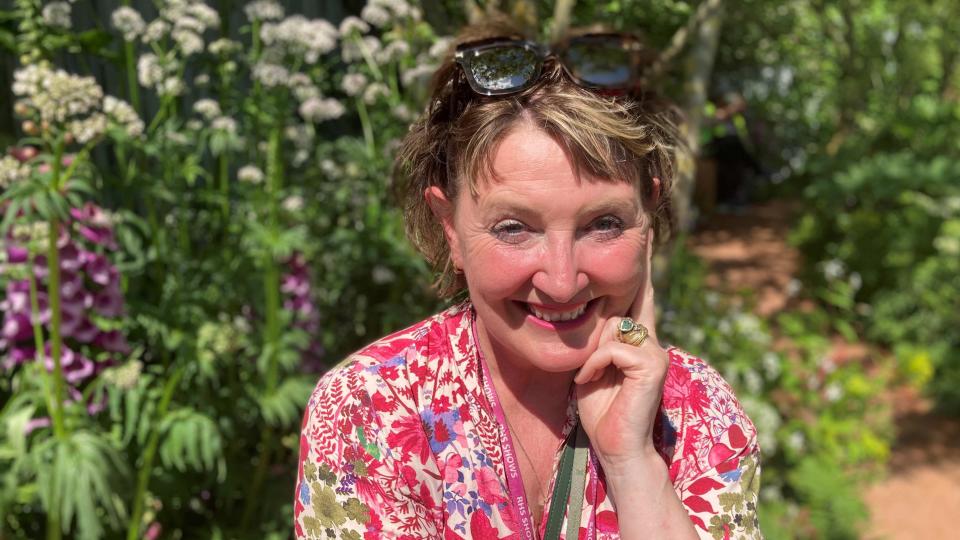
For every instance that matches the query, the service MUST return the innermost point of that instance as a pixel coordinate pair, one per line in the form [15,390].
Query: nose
[559,276]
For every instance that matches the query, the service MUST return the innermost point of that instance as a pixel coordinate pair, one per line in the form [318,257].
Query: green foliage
[78,477]
[809,411]
[190,440]
[890,223]
[834,505]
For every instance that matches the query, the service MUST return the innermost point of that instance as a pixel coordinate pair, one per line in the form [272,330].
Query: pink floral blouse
[400,442]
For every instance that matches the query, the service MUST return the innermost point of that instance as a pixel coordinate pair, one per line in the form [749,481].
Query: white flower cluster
[87,129]
[57,96]
[125,376]
[11,171]
[263,10]
[270,75]
[302,137]
[395,50]
[225,124]
[123,115]
[207,108]
[299,36]
[353,24]
[440,47]
[223,47]
[302,87]
[250,174]
[182,20]
[159,74]
[128,22]
[317,109]
[416,74]
[57,15]
[375,91]
[293,203]
[380,12]
[353,83]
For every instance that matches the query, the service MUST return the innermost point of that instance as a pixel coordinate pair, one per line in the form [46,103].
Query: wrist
[646,464]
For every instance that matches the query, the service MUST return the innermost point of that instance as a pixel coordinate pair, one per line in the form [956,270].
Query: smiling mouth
[557,316]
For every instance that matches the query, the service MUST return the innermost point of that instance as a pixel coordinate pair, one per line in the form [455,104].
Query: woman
[543,406]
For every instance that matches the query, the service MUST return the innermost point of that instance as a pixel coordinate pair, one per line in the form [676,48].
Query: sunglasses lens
[500,69]
[600,63]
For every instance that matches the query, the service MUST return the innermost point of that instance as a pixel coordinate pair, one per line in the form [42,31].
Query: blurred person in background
[541,405]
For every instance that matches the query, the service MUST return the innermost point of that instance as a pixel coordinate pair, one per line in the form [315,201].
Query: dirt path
[920,498]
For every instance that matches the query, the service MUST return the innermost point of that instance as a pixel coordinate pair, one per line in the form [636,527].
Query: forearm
[646,503]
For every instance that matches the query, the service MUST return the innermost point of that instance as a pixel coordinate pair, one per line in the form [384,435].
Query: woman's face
[548,258]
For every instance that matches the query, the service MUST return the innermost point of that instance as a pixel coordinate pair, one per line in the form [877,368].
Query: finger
[643,309]
[631,360]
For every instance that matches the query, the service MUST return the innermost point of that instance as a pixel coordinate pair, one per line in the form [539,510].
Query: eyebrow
[601,207]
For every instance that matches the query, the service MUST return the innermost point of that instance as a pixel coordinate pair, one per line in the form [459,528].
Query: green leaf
[78,477]
[284,406]
[191,440]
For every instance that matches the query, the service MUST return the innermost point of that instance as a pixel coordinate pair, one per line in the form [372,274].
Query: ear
[656,190]
[442,209]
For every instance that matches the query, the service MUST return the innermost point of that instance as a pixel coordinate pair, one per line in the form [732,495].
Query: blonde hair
[630,138]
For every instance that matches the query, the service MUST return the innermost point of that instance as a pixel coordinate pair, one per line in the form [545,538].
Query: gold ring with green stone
[631,332]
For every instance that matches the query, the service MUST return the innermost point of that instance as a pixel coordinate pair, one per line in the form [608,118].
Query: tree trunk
[699,67]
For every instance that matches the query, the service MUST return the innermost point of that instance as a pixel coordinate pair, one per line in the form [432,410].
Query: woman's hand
[620,386]
[619,392]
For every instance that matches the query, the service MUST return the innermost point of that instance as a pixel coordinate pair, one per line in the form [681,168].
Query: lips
[558,317]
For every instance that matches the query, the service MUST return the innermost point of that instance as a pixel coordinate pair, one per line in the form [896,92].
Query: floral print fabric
[400,442]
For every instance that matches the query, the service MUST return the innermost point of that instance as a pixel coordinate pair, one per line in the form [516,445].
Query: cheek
[620,264]
[500,271]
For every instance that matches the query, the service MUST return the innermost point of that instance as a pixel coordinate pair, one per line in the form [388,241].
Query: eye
[607,227]
[510,231]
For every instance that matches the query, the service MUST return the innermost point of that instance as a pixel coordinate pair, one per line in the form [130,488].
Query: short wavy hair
[631,138]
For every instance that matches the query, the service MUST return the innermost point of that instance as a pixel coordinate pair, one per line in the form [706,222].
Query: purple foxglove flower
[16,254]
[67,357]
[84,332]
[76,303]
[18,356]
[79,370]
[36,423]
[16,326]
[296,284]
[70,260]
[96,406]
[70,322]
[18,297]
[113,341]
[99,235]
[40,267]
[94,225]
[71,284]
[98,267]
[109,301]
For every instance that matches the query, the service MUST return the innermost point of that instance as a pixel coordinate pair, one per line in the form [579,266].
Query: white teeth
[558,317]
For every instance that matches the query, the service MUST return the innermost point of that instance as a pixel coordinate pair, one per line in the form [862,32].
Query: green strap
[580,453]
[572,472]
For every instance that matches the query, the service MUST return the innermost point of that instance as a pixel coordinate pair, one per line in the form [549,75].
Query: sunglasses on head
[606,62]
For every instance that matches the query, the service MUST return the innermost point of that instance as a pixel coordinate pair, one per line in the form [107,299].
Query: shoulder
[704,419]
[391,368]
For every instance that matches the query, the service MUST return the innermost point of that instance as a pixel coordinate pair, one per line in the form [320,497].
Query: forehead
[528,162]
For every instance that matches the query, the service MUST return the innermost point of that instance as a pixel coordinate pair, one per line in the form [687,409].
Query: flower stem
[58,428]
[133,89]
[365,124]
[271,338]
[272,274]
[149,454]
[224,169]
